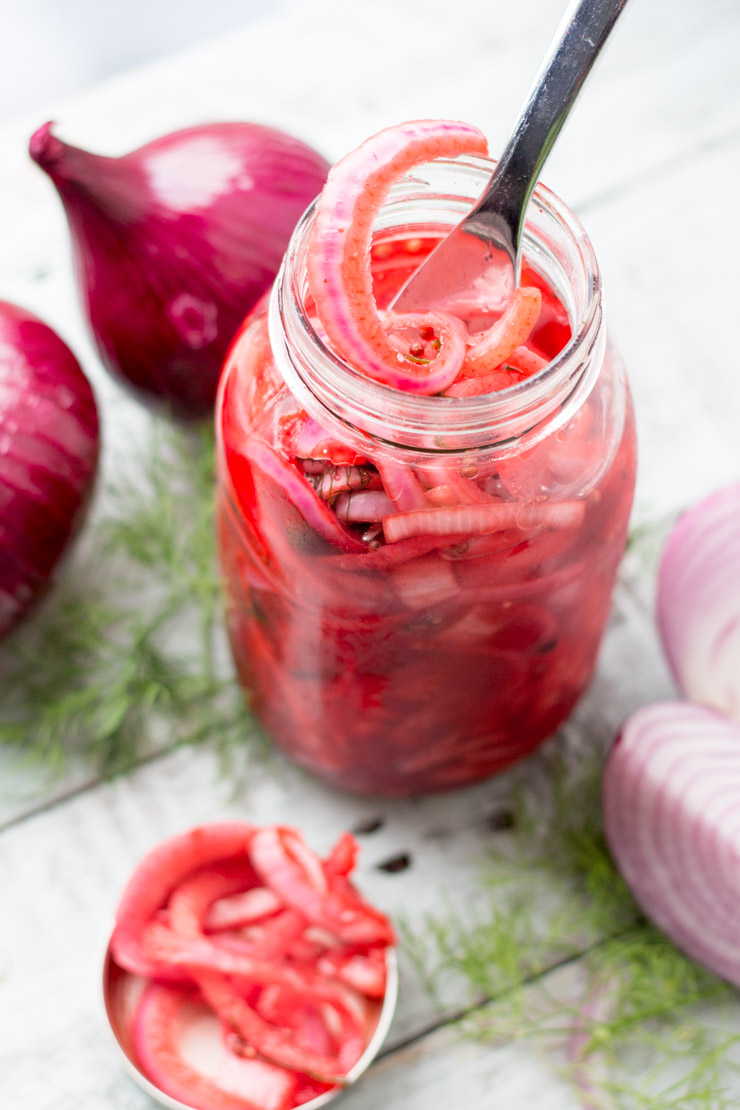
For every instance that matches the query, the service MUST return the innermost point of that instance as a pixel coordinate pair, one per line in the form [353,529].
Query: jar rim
[334,391]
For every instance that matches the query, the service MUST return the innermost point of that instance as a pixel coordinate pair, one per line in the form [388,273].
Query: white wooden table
[650,162]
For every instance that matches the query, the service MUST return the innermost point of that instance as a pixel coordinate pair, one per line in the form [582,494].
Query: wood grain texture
[647,161]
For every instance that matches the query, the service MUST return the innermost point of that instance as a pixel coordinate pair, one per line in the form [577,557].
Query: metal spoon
[481,255]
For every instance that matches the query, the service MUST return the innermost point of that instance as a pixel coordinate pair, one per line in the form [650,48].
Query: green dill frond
[125,656]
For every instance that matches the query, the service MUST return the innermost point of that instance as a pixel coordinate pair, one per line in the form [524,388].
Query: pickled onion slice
[338,253]
[480,520]
[365,972]
[432,374]
[159,874]
[525,360]
[295,489]
[451,487]
[271,1042]
[267,1018]
[368,507]
[342,859]
[166,1018]
[237,910]
[298,876]
[511,329]
[477,386]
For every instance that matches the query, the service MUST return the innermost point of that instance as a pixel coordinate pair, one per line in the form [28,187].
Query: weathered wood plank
[62,869]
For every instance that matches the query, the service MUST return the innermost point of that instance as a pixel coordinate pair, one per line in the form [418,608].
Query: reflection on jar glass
[403,661]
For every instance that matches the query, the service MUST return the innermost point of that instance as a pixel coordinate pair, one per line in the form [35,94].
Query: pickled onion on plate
[265,1011]
[480,520]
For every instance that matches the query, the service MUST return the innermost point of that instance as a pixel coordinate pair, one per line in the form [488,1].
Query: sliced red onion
[480,384]
[180,1046]
[317,444]
[511,329]
[698,604]
[49,440]
[342,479]
[480,520]
[464,491]
[363,507]
[338,263]
[299,493]
[237,910]
[402,486]
[671,796]
[587,1067]
[176,241]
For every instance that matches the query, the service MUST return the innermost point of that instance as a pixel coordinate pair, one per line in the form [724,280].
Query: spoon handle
[575,46]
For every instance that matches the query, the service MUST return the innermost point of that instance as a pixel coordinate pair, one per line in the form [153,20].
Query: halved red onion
[176,241]
[49,441]
[181,1047]
[671,797]
[698,603]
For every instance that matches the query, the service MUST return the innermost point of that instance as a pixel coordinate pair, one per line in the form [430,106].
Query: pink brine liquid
[437,660]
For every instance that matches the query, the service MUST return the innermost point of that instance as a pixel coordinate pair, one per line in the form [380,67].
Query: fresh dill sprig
[127,655]
[646,1021]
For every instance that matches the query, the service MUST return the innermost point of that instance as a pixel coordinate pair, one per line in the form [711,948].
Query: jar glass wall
[438,658]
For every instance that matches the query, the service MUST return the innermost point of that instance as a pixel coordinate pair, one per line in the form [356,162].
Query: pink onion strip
[509,332]
[342,479]
[440,372]
[301,495]
[463,490]
[480,520]
[481,384]
[402,486]
[526,360]
[369,506]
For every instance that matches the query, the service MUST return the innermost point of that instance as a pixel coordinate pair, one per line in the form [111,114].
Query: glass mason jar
[403,667]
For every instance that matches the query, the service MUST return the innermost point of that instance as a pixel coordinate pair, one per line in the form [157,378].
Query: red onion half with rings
[671,800]
[49,440]
[698,603]
[175,242]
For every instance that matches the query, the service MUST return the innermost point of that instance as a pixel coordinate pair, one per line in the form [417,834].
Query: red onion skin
[49,443]
[175,242]
[671,799]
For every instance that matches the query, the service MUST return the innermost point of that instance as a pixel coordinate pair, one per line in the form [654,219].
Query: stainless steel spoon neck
[483,252]
[573,50]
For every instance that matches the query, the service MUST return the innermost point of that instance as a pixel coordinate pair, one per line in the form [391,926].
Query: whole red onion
[176,241]
[49,441]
